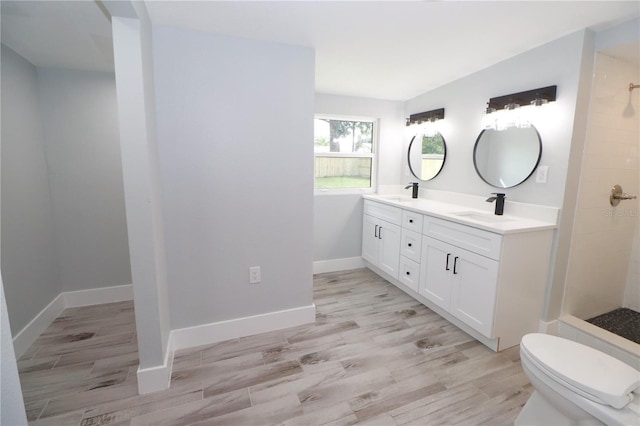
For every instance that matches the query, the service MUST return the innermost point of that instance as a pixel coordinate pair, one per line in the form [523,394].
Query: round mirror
[426,155]
[506,158]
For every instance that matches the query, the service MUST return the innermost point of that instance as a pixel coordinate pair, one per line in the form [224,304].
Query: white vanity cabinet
[461,282]
[490,283]
[381,237]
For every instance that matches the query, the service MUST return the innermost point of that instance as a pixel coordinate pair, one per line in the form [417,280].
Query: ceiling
[381,49]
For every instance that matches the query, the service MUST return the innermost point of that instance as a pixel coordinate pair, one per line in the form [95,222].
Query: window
[344,154]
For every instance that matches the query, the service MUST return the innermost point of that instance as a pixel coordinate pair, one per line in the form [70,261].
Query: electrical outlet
[254,275]
[541,175]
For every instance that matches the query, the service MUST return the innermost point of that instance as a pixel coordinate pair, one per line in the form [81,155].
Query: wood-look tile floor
[374,356]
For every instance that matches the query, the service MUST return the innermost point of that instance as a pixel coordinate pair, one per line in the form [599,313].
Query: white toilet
[575,384]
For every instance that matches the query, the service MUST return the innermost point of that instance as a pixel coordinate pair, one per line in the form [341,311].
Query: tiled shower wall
[603,272]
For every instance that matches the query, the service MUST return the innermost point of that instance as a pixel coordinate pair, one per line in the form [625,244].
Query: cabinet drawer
[383,211]
[410,244]
[467,237]
[412,221]
[409,273]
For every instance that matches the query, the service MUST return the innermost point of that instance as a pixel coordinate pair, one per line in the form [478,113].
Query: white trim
[69,299]
[157,378]
[548,327]
[342,191]
[98,296]
[239,327]
[30,332]
[373,155]
[154,379]
[345,117]
[334,265]
[578,330]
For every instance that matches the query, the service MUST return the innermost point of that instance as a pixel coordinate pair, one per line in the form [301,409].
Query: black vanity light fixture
[504,112]
[426,117]
[535,97]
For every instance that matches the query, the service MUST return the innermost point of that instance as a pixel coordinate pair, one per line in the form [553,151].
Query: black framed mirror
[506,158]
[426,155]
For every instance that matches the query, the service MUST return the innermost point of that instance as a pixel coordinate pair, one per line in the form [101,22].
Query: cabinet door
[436,268]
[389,236]
[370,242]
[474,287]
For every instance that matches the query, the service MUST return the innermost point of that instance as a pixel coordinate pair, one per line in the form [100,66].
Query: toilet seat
[586,371]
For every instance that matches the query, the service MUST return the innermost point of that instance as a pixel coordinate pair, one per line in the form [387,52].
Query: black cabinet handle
[455,263]
[410,220]
[375,232]
[447,265]
[408,273]
[380,233]
[409,244]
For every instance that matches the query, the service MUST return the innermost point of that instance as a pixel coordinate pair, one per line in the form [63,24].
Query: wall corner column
[133,58]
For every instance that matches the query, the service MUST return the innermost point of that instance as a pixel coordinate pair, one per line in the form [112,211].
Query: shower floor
[623,322]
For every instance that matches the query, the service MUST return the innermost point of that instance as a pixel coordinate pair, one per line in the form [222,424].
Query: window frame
[373,155]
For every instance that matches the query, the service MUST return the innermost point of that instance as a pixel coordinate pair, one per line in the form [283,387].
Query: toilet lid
[589,370]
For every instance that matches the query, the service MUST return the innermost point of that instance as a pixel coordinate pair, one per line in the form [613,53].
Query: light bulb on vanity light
[511,114]
[430,128]
[511,117]
[489,119]
[539,102]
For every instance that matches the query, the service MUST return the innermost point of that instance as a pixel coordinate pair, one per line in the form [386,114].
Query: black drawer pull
[375,232]
[446,267]
[409,244]
[455,263]
[408,273]
[410,220]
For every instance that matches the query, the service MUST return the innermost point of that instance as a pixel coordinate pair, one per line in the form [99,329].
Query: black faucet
[414,189]
[499,199]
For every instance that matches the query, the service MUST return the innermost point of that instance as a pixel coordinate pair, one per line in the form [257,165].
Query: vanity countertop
[481,219]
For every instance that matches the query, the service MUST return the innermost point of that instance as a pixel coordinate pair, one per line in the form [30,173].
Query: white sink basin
[482,217]
[399,199]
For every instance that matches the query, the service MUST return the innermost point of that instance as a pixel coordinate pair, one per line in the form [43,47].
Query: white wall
[11,402]
[63,221]
[556,63]
[337,219]
[79,112]
[235,121]
[29,267]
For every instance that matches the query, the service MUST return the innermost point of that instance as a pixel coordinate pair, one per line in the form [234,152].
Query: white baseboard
[335,265]
[98,296]
[30,332]
[158,378]
[154,379]
[68,299]
[241,327]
